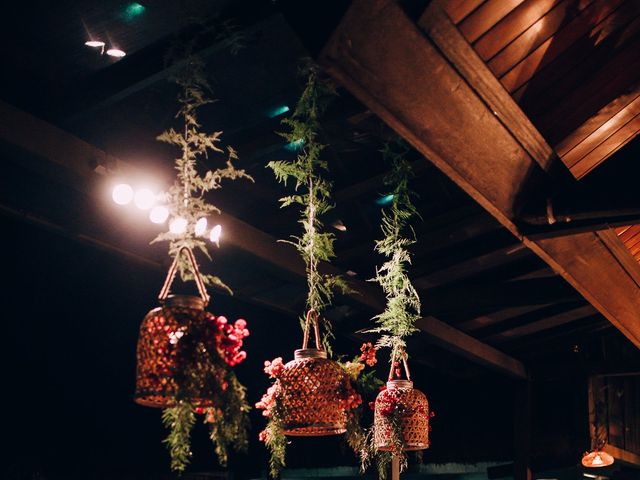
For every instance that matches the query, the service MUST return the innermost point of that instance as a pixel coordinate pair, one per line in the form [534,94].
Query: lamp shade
[403,404]
[312,392]
[596,459]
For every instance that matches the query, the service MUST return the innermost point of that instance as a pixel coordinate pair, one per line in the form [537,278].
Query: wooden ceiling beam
[428,84]
[468,347]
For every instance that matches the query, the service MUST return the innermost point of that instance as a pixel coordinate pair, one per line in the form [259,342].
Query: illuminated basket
[401,400]
[311,392]
[177,353]
[177,356]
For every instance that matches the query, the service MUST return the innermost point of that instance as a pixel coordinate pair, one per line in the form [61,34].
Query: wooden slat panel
[512,26]
[606,130]
[586,95]
[629,232]
[485,84]
[613,143]
[485,17]
[551,30]
[597,121]
[459,9]
[520,72]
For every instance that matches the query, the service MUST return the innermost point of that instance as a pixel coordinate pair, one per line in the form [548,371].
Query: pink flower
[274,368]
[368,354]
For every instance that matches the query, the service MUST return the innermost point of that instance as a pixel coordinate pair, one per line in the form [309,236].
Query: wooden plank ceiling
[573,66]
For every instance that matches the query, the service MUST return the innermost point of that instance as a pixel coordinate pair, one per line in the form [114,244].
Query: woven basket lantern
[312,391]
[176,355]
[400,398]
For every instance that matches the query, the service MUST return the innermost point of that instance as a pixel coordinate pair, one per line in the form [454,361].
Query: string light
[216,232]
[144,199]
[122,194]
[159,214]
[178,225]
[201,227]
[116,52]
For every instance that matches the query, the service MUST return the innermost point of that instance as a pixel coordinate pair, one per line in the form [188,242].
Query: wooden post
[395,468]
[522,431]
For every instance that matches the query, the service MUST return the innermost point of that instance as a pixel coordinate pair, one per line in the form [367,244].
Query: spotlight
[159,214]
[201,226]
[339,225]
[122,194]
[115,52]
[94,44]
[215,233]
[144,199]
[178,225]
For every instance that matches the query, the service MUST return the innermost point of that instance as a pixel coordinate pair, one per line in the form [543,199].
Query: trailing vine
[185,199]
[313,194]
[397,321]
[402,309]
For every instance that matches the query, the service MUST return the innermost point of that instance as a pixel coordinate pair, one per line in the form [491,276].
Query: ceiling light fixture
[94,43]
[116,52]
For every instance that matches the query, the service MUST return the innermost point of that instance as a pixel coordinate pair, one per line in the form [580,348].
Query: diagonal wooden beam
[428,84]
[66,150]
[470,348]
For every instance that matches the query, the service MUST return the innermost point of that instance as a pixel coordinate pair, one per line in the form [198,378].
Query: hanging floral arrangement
[312,395]
[401,413]
[185,354]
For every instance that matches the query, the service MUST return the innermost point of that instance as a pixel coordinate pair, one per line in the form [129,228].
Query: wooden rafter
[428,84]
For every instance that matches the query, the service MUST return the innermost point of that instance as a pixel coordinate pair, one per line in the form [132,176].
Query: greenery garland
[313,192]
[306,170]
[228,422]
[402,309]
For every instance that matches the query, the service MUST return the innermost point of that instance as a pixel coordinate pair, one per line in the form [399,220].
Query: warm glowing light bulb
[215,233]
[122,194]
[94,44]
[144,199]
[597,460]
[159,214]
[116,52]
[201,226]
[178,225]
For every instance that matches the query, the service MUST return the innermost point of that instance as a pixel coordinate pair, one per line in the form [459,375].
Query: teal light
[294,146]
[133,10]
[386,200]
[277,111]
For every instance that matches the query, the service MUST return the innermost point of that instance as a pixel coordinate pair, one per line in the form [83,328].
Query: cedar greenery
[186,199]
[402,310]
[179,420]
[307,172]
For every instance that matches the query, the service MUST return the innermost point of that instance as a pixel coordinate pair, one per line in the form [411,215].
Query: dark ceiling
[81,274]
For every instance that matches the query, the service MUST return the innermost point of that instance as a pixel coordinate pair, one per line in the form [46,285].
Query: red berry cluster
[368,354]
[231,340]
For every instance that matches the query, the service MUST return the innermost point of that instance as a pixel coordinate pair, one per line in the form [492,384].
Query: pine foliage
[402,310]
[313,193]
[186,197]
[179,420]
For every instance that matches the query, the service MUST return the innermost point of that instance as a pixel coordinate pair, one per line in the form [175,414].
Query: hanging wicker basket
[177,356]
[401,404]
[312,391]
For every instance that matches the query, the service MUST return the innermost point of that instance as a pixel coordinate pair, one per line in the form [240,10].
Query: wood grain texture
[381,57]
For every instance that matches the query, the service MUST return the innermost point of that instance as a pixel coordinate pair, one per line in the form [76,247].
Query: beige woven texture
[415,421]
[311,393]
